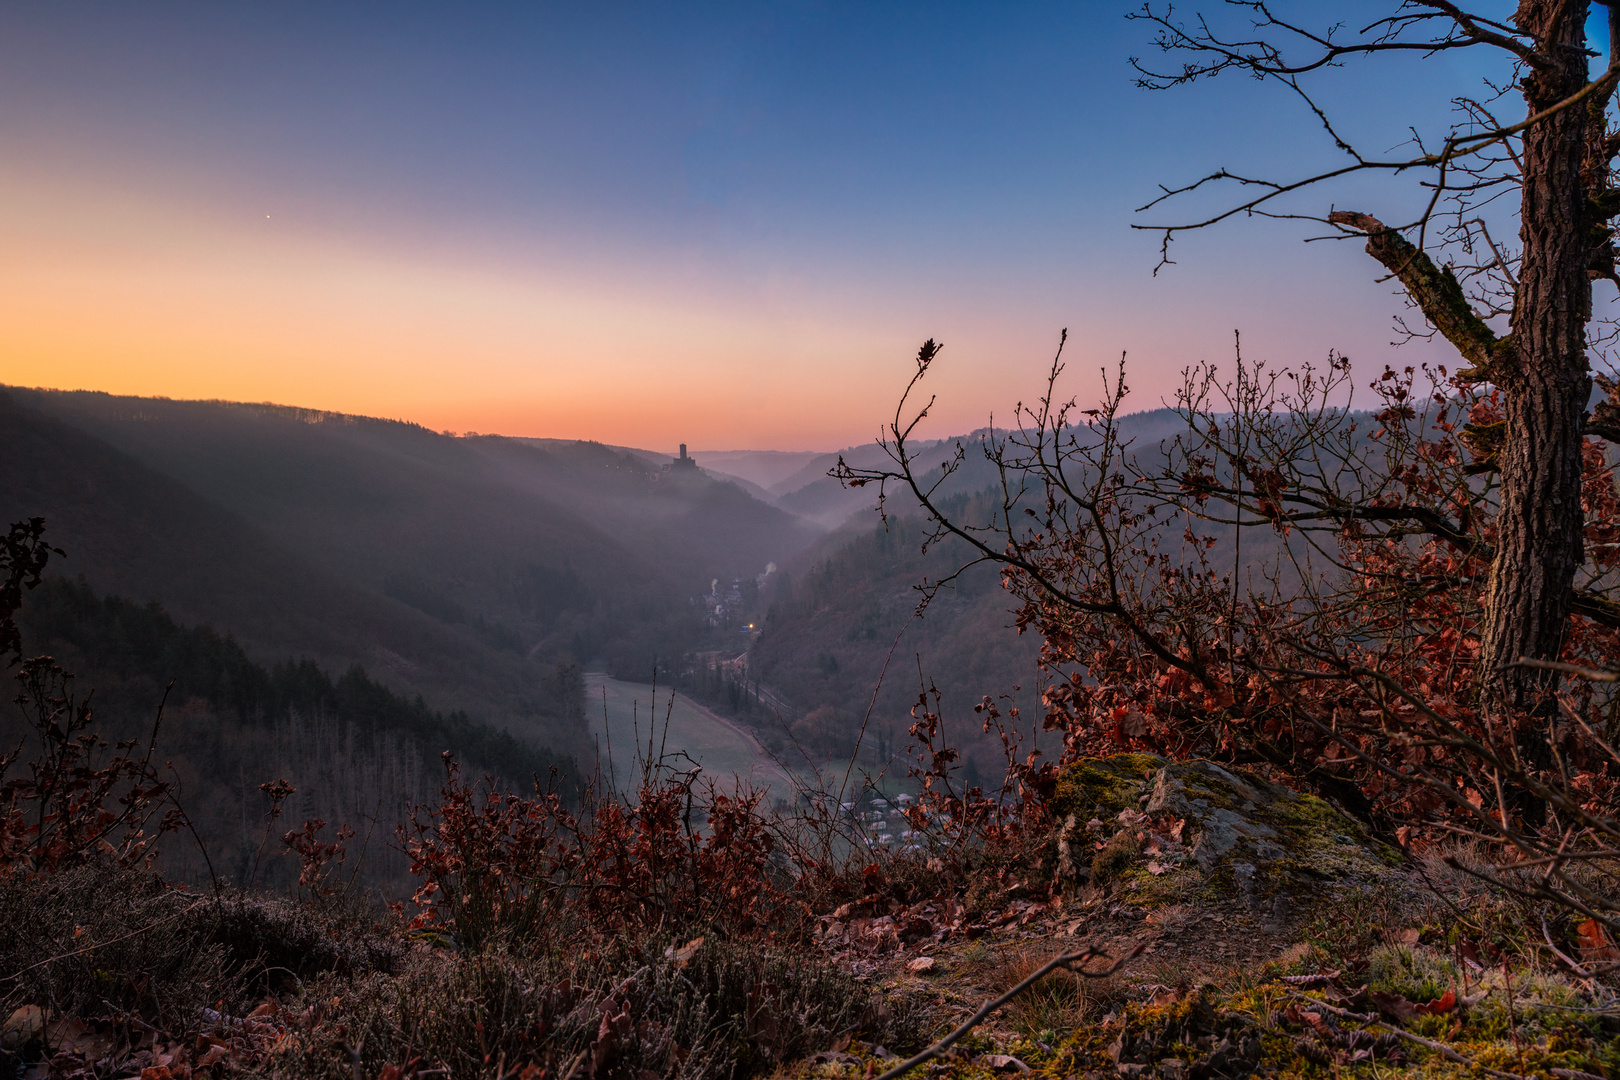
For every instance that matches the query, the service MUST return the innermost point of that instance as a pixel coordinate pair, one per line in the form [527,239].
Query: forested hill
[130,531]
[835,616]
[572,541]
[130,653]
[452,567]
[354,750]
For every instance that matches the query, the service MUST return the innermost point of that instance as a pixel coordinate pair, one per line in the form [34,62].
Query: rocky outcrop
[1152,830]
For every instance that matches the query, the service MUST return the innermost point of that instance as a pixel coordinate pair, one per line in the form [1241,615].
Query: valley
[810,541]
[628,727]
[464,570]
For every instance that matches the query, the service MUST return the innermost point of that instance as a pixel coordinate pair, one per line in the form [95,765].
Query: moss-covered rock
[1102,787]
[1232,831]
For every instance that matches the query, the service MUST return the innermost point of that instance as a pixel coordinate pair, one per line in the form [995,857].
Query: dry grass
[1053,1007]
[731,1009]
[96,937]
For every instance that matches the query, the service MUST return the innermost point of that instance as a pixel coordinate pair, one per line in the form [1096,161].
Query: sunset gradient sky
[728,225]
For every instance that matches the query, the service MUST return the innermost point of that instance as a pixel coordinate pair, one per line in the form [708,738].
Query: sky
[728,225]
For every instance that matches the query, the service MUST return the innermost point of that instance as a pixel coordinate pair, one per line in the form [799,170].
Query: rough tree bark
[1540,367]
[1543,377]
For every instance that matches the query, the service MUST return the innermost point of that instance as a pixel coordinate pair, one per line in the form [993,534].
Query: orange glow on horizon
[103,293]
[102,290]
[183,309]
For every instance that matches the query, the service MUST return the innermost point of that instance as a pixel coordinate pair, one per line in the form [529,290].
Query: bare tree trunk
[1542,373]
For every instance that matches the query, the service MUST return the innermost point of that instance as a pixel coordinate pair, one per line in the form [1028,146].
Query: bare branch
[1433,288]
[1068,961]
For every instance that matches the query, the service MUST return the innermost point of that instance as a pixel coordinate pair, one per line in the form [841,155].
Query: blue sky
[723,224]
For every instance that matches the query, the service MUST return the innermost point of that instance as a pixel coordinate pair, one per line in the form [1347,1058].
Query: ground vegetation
[1351,812]
[1179,919]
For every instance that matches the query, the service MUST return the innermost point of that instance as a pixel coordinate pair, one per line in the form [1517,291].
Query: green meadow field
[623,718]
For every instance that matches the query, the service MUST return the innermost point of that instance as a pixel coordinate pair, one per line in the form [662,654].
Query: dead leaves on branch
[1384,542]
[496,865]
[77,802]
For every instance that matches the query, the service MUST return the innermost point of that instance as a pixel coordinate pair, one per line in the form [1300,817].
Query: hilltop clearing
[1255,931]
[1245,929]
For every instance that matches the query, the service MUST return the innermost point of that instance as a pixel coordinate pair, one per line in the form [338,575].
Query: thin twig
[861,735]
[1568,669]
[1064,961]
[1440,1048]
[568,1074]
[173,795]
[102,944]
[1573,966]
[1447,1052]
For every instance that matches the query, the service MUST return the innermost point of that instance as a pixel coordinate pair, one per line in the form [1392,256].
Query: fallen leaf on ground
[1003,1063]
[70,1035]
[1393,1005]
[23,1026]
[1594,942]
[1443,1004]
[683,955]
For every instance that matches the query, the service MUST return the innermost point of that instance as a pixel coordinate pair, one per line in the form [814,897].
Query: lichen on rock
[1236,833]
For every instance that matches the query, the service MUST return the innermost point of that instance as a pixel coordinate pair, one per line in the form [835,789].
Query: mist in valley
[508,581]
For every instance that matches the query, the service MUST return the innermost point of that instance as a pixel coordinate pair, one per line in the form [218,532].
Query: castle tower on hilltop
[684,462]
